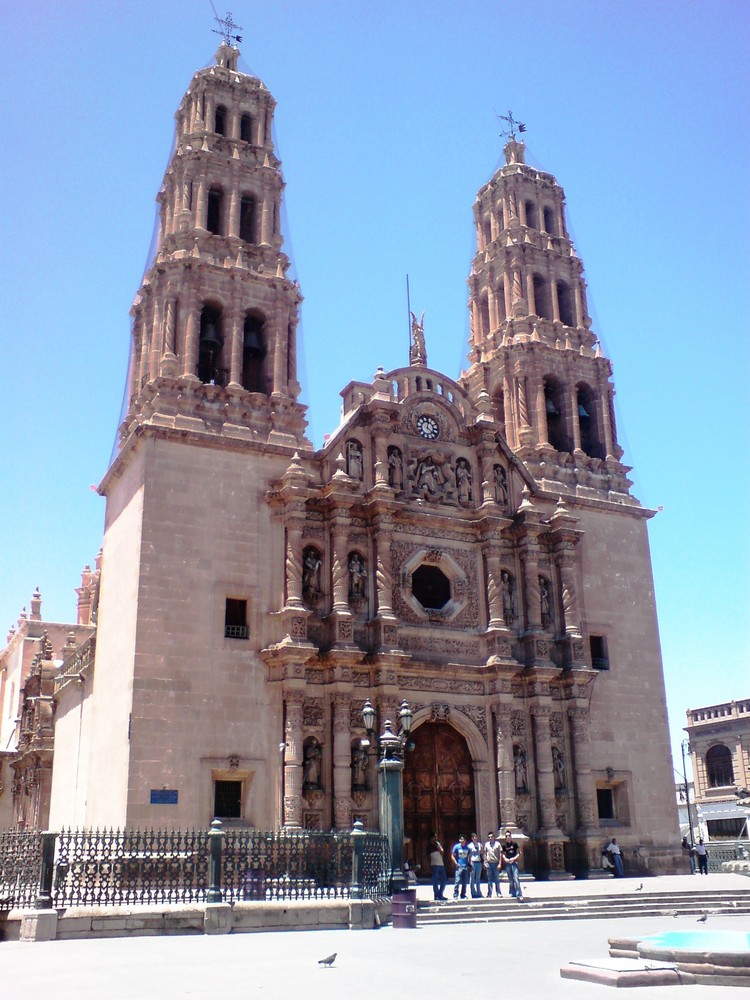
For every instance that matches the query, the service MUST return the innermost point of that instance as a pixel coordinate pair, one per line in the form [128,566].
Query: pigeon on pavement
[328,962]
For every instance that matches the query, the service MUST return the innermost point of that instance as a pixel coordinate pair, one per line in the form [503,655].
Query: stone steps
[586,907]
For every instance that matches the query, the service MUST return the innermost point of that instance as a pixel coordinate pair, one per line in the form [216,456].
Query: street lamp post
[685,748]
[391,748]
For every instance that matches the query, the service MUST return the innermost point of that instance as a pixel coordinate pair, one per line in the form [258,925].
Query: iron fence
[20,867]
[113,867]
[720,851]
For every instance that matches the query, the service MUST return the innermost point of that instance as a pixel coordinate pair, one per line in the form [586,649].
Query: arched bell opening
[565,304]
[587,412]
[214,211]
[254,351]
[542,306]
[248,219]
[220,120]
[554,409]
[211,369]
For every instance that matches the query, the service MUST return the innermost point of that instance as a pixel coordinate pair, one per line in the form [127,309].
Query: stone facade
[719,737]
[471,546]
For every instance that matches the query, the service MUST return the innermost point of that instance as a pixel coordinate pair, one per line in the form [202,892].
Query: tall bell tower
[532,348]
[215,320]
[192,562]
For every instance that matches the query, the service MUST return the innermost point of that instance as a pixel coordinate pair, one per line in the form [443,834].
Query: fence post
[46,871]
[358,843]
[215,841]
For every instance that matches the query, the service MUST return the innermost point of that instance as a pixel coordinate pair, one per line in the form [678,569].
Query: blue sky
[386,124]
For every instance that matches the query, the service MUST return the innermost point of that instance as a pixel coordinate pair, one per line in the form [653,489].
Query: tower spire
[227,28]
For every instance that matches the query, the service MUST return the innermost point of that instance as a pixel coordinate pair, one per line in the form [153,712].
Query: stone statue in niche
[500,485]
[545,604]
[519,769]
[395,468]
[311,765]
[508,590]
[357,576]
[558,769]
[311,566]
[359,769]
[463,481]
[354,464]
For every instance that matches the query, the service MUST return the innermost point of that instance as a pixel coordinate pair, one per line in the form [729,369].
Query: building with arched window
[719,737]
[469,545]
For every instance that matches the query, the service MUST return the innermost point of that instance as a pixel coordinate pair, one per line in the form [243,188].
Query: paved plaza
[509,960]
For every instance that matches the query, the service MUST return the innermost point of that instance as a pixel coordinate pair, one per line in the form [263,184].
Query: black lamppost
[391,748]
[685,748]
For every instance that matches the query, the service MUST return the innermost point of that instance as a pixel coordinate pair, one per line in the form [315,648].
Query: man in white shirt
[492,856]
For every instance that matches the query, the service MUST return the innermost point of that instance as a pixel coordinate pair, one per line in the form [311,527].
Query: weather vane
[227,27]
[513,125]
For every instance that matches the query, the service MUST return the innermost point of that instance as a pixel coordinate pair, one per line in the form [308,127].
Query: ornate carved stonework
[477,715]
[314,675]
[419,683]
[556,725]
[312,821]
[441,712]
[469,648]
[518,723]
[312,717]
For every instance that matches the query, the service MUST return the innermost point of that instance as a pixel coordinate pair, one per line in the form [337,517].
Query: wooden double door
[438,792]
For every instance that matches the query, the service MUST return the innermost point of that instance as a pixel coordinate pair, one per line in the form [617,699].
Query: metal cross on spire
[513,124]
[227,27]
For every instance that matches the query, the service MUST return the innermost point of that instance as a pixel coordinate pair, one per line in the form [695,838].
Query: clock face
[427,427]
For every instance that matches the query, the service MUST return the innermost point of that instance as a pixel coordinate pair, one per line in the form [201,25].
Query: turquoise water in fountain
[714,942]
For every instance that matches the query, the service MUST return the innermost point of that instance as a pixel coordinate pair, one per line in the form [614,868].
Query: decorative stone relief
[354,463]
[419,683]
[520,769]
[518,722]
[314,675]
[477,715]
[312,713]
[556,726]
[312,821]
[458,647]
[441,712]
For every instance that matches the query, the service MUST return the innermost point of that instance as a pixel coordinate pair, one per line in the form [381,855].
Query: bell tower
[532,348]
[214,322]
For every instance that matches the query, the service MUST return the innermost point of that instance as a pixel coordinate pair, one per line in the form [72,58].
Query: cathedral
[471,547]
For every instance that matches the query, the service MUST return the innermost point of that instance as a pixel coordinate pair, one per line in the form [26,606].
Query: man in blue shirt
[460,856]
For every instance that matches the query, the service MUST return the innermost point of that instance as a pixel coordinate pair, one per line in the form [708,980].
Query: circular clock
[427,427]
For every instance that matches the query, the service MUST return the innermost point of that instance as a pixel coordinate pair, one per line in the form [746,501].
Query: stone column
[294,562]
[545,779]
[233,220]
[342,770]
[530,562]
[192,330]
[585,786]
[279,354]
[541,413]
[604,403]
[170,327]
[507,295]
[236,334]
[579,302]
[492,308]
[530,296]
[266,221]
[571,403]
[555,300]
[506,782]
[381,459]
[339,567]
[384,567]
[293,760]
[566,563]
[494,593]
[199,220]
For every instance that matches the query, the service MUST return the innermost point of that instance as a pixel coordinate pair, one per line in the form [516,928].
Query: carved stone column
[506,786]
[550,853]
[342,771]
[192,326]
[235,325]
[341,613]
[293,760]
[494,593]
[587,840]
[387,622]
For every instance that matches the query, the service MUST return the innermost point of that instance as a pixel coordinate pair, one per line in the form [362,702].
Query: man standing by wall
[476,856]
[701,853]
[437,863]
[492,858]
[614,849]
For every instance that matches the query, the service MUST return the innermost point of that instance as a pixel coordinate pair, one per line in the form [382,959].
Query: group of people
[470,859]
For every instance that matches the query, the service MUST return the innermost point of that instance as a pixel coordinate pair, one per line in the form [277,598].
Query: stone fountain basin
[710,956]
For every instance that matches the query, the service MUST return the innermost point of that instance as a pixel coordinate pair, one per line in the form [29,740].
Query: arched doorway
[438,791]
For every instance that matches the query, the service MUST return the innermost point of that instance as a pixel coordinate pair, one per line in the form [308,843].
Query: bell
[210,339]
[582,411]
[552,410]
[253,343]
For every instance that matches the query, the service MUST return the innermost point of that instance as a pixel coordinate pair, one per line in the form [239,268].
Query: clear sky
[386,124]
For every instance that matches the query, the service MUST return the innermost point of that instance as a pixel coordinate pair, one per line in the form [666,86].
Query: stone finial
[36,606]
[294,471]
[11,633]
[526,503]
[341,475]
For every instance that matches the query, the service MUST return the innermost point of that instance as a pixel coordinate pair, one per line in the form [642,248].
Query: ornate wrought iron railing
[111,867]
[20,866]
